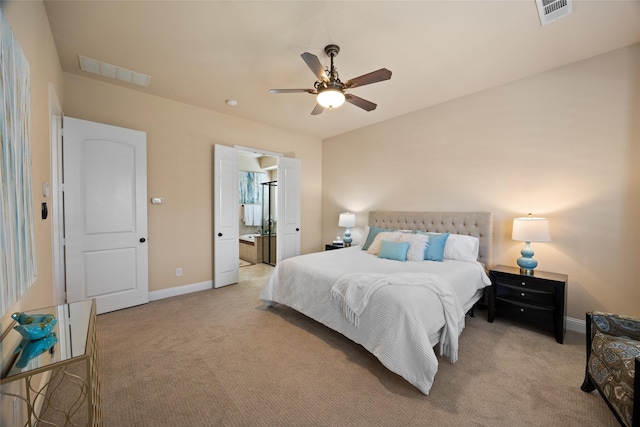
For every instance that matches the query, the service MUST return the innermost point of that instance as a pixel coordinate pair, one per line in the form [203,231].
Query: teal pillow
[435,247]
[394,250]
[373,232]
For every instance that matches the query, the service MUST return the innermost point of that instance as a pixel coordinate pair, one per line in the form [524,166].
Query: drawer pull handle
[524,284]
[521,294]
[522,310]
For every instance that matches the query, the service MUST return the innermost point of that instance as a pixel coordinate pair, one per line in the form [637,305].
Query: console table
[76,342]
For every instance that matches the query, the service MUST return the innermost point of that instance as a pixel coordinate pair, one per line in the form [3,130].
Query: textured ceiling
[205,52]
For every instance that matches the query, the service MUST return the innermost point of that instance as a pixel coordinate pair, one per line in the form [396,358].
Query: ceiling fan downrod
[332,51]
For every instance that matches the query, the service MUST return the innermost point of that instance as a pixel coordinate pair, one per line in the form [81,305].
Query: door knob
[142,240]
[219,234]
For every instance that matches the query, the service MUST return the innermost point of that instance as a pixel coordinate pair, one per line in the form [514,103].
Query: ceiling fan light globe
[330,98]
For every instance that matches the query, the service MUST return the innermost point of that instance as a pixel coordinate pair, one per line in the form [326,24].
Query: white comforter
[353,291]
[400,325]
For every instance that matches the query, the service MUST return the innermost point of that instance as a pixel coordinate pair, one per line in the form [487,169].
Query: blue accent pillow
[373,232]
[435,247]
[394,250]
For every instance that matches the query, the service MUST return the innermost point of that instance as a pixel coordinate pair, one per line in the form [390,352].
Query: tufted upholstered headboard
[477,224]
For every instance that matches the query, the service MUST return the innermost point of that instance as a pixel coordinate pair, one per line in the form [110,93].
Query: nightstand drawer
[525,282]
[530,294]
[525,312]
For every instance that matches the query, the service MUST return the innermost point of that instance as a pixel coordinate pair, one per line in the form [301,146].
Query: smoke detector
[550,10]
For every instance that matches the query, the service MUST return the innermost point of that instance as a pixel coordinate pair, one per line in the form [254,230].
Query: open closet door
[288,208]
[226,211]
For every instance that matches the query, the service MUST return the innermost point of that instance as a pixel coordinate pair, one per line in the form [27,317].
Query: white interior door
[288,240]
[105,199]
[226,226]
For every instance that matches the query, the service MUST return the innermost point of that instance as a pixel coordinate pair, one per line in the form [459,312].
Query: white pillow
[417,245]
[390,236]
[461,247]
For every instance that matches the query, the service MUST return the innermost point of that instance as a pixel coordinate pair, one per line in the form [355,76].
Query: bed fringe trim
[351,315]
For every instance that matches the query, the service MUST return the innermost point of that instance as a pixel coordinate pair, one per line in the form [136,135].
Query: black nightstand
[539,299]
[331,246]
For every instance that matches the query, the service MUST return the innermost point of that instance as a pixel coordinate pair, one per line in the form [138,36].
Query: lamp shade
[347,220]
[330,98]
[531,229]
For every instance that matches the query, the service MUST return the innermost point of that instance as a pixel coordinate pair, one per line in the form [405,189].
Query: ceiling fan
[330,91]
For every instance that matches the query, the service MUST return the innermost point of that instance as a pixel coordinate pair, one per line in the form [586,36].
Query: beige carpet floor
[221,358]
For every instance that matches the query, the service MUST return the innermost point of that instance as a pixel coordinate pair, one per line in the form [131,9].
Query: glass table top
[66,341]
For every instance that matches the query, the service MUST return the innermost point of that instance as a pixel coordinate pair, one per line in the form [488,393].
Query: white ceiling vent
[550,10]
[107,70]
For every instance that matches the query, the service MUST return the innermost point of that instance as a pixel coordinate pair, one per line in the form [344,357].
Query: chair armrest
[636,390]
[616,325]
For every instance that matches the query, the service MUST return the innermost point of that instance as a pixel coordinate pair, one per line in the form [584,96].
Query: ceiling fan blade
[372,77]
[314,63]
[360,102]
[313,91]
[317,110]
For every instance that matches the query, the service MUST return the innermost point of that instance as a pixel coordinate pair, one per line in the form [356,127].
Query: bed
[399,311]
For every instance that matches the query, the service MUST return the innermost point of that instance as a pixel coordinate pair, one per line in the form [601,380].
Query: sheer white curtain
[17,244]
[251,196]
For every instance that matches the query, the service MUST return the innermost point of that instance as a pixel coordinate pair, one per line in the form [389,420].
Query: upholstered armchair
[613,358]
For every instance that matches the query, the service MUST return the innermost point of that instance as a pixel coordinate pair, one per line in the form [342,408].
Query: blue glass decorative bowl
[32,349]
[35,331]
[28,319]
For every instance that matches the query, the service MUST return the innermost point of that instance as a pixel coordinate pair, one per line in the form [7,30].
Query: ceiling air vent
[107,70]
[550,10]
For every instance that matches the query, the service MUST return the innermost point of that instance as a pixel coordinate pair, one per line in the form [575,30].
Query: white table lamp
[529,229]
[347,220]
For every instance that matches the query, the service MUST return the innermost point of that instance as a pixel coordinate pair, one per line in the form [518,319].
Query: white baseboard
[180,290]
[576,325]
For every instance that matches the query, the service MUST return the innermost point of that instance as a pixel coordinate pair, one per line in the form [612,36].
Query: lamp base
[347,237]
[526,272]
[526,261]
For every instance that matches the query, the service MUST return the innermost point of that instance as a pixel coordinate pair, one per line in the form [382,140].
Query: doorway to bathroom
[258,219]
[227,218]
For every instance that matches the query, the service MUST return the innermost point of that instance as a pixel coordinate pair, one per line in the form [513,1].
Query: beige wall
[563,145]
[180,141]
[30,25]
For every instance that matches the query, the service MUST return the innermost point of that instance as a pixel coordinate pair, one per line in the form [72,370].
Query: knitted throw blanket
[352,292]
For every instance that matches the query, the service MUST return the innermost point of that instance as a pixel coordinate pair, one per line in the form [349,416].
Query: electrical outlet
[178,272]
